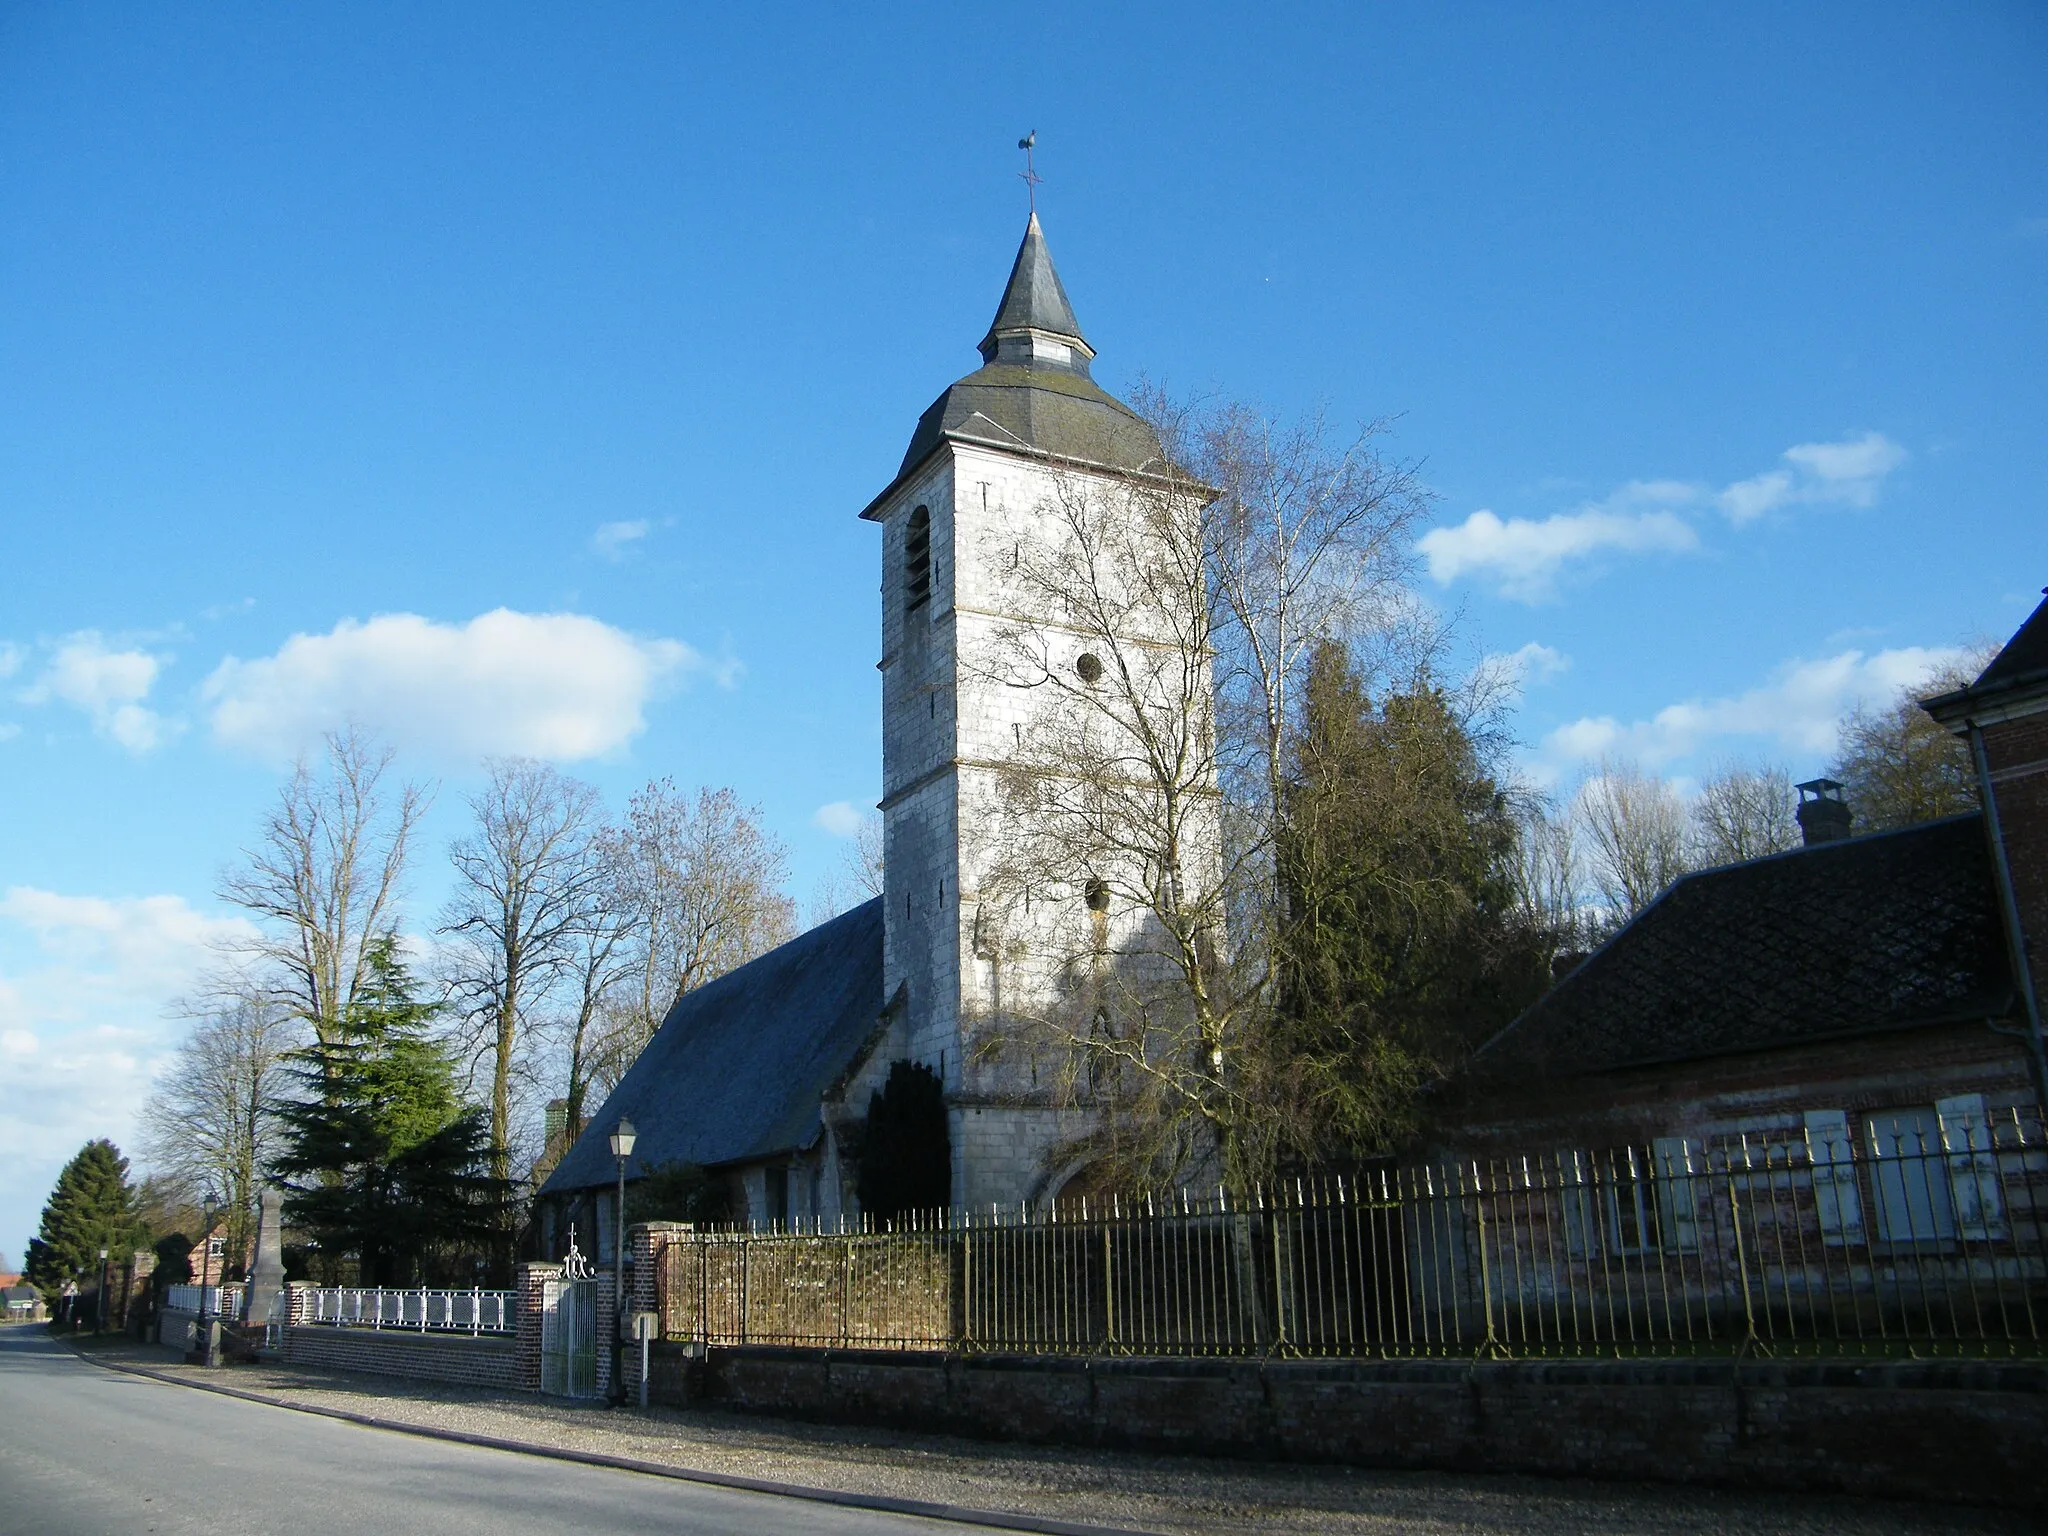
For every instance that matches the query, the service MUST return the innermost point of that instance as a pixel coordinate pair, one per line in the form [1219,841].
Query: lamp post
[622,1148]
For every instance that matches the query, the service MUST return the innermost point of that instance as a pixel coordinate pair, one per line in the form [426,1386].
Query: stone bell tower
[984,464]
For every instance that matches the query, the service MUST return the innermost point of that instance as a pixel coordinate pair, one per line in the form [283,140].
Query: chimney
[1823,813]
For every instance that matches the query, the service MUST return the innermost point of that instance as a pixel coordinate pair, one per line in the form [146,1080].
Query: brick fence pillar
[607,1331]
[645,1243]
[533,1279]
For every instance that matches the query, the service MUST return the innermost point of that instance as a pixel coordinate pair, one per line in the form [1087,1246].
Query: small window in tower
[917,560]
[1097,894]
[1089,665]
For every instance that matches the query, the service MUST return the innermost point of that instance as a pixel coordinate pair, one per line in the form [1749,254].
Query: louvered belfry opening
[917,560]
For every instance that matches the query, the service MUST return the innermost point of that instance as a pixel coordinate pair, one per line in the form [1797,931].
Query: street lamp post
[101,1325]
[622,1141]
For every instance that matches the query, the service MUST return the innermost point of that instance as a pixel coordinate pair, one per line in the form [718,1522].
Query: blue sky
[511,378]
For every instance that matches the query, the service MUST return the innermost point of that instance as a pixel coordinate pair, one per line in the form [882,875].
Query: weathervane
[1028,175]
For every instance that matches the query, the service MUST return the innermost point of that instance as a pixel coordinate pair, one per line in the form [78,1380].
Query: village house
[1875,994]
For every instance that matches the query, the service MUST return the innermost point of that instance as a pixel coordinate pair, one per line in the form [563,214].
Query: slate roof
[1889,931]
[1020,403]
[1035,298]
[737,1068]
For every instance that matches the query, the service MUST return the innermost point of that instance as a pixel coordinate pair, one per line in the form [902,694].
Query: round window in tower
[1096,893]
[1089,665]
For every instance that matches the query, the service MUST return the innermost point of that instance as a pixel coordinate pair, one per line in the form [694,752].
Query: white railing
[473,1311]
[207,1300]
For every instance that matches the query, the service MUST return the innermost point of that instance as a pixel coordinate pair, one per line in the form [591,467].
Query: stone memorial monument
[266,1275]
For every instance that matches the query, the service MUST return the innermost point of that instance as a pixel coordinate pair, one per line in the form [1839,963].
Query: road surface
[86,1451]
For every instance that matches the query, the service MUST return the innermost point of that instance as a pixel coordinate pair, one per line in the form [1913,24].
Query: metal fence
[473,1311]
[207,1300]
[1910,1234]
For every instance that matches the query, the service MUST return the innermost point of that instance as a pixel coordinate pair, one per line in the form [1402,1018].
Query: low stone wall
[488,1361]
[1915,1430]
[176,1328]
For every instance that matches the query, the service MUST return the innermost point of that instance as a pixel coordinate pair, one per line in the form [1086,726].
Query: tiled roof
[738,1067]
[1871,933]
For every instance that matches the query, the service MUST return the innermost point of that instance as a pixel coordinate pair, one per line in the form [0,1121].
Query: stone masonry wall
[948,725]
[1911,1430]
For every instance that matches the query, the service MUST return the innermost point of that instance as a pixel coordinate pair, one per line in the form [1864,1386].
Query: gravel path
[1164,1494]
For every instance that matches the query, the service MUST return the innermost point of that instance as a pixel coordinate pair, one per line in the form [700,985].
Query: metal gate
[568,1330]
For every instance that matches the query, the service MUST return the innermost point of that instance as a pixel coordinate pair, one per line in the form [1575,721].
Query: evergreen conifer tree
[1400,945]
[91,1208]
[905,1154]
[382,1159]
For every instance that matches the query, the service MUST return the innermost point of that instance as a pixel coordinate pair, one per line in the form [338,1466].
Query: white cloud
[1524,556]
[86,986]
[1534,663]
[611,539]
[555,685]
[1798,711]
[841,818]
[10,658]
[106,685]
[1847,473]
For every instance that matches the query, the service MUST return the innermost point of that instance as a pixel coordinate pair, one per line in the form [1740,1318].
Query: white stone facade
[949,726]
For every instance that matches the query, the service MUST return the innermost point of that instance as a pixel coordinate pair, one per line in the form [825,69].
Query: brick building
[1881,988]
[761,1073]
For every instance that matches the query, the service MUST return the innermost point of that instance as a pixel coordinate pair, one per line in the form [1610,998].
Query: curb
[993,1519]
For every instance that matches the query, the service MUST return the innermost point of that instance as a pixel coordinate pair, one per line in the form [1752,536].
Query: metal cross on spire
[1029,174]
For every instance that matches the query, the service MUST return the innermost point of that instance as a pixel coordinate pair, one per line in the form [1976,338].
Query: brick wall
[644,1244]
[533,1280]
[476,1362]
[1915,1430]
[2017,751]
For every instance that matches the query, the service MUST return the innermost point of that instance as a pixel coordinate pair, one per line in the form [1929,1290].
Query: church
[763,1076]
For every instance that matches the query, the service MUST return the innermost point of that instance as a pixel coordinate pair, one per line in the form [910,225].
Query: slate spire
[1035,325]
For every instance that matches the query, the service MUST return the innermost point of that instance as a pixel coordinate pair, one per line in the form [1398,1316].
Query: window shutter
[1972,1167]
[1577,1196]
[1831,1154]
[1677,1195]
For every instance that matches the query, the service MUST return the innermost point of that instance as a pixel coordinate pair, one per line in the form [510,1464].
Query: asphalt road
[87,1452]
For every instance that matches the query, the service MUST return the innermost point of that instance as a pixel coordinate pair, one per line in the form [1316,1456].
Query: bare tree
[699,884]
[590,1024]
[208,1125]
[1307,540]
[1106,900]
[1634,829]
[1898,765]
[523,881]
[1743,811]
[323,881]
[856,878]
[1132,912]
[1547,869]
